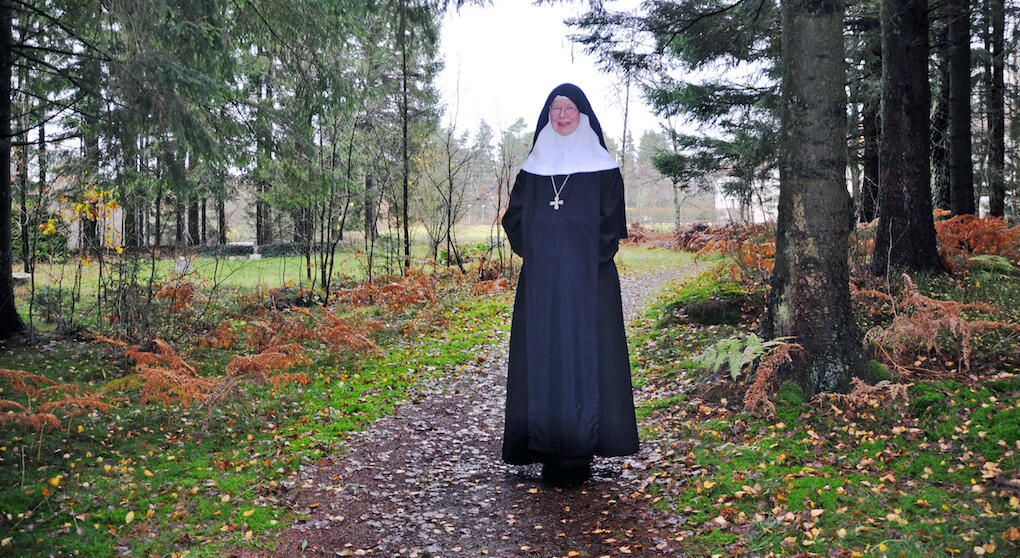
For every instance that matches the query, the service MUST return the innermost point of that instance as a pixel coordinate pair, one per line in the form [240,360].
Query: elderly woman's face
[564,116]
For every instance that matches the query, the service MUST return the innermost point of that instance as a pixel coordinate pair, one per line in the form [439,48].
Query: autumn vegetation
[917,458]
[182,442]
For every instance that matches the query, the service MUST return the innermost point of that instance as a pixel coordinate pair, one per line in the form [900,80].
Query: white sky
[508,56]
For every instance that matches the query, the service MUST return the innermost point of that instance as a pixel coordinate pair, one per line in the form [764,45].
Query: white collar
[580,151]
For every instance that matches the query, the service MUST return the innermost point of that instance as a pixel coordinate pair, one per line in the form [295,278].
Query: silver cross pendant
[556,203]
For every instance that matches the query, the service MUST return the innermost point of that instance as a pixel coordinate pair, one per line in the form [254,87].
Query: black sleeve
[512,218]
[613,218]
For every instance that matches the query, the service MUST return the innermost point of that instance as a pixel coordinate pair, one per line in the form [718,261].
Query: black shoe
[560,476]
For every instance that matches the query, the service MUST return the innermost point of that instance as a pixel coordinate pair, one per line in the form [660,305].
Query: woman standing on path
[568,389]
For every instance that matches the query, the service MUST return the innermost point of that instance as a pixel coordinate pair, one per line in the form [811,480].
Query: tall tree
[906,230]
[939,135]
[10,321]
[996,110]
[961,169]
[810,297]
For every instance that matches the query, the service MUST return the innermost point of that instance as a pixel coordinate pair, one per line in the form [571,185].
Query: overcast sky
[502,61]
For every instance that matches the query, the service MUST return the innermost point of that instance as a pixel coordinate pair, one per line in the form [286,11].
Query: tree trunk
[128,199]
[961,170]
[193,233]
[940,125]
[810,297]
[906,231]
[179,221]
[996,113]
[10,321]
[867,205]
[23,214]
[371,220]
[405,116]
[39,214]
[221,219]
[677,210]
[157,235]
[90,139]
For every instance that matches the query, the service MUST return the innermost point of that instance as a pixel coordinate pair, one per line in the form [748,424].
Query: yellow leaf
[224,497]
[247,535]
[573,553]
[247,513]
[129,517]
[150,512]
[841,533]
[55,481]
[882,547]
[147,472]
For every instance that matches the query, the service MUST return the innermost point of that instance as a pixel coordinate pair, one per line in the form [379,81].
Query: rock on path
[428,481]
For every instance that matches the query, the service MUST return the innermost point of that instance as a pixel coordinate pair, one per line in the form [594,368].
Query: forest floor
[383,438]
[428,481]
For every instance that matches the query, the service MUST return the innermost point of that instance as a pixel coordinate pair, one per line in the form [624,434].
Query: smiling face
[564,116]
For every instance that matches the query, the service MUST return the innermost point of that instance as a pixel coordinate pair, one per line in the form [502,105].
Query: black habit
[569,386]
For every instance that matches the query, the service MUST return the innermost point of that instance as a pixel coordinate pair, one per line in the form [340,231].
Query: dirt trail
[428,481]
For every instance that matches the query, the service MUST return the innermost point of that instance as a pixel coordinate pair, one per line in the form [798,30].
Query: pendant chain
[557,202]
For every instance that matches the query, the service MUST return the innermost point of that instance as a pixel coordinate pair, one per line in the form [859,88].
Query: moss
[790,394]
[927,401]
[878,372]
[789,402]
[1004,386]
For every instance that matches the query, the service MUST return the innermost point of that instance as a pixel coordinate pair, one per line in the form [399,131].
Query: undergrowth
[197,450]
[921,460]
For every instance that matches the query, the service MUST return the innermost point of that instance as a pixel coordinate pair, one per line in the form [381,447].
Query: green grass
[639,258]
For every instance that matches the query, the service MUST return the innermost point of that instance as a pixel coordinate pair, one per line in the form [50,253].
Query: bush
[48,246]
[226,250]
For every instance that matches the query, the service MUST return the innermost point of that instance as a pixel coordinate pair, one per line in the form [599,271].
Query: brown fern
[757,399]
[920,321]
[864,396]
[25,383]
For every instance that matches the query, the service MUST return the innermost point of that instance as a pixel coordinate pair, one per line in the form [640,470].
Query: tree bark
[961,170]
[204,221]
[868,203]
[906,231]
[10,321]
[996,113]
[193,230]
[405,116]
[23,217]
[221,219]
[940,124]
[90,144]
[129,201]
[810,297]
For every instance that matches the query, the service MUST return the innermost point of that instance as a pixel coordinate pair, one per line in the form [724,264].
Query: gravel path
[428,481]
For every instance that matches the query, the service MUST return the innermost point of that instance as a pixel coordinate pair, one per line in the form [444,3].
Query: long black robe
[569,388]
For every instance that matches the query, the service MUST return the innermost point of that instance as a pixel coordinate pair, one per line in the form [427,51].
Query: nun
[569,394]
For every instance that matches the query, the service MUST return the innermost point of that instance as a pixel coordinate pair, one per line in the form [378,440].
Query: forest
[255,298]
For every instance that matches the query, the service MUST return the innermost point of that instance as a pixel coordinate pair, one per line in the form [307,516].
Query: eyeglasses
[569,111]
